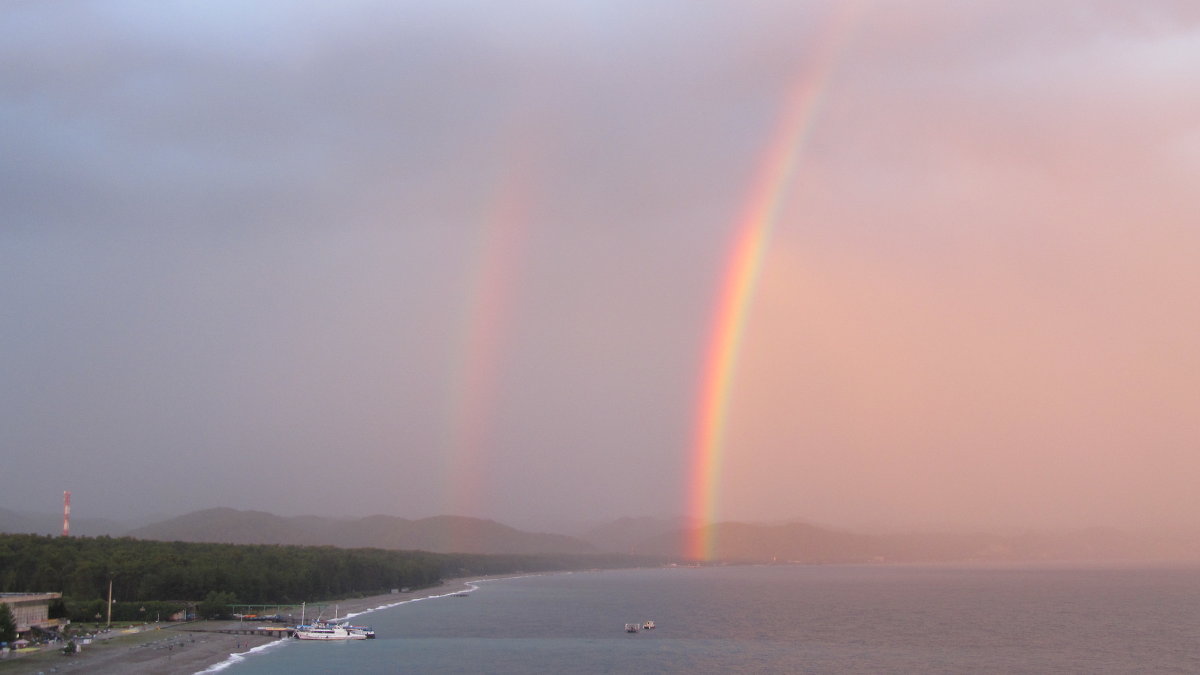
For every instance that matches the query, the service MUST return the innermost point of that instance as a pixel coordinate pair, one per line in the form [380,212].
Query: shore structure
[186,648]
[31,610]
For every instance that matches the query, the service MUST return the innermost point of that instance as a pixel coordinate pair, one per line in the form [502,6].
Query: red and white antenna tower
[66,514]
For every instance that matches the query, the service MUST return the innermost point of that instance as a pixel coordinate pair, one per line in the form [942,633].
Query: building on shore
[32,610]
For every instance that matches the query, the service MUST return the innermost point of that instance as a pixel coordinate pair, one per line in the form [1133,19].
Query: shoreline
[199,646]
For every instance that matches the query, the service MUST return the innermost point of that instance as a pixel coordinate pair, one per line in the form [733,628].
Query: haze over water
[785,619]
[471,258]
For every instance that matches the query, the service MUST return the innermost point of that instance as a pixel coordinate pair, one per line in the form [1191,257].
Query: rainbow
[750,243]
[490,293]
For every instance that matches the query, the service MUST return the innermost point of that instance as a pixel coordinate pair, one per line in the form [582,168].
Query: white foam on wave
[238,657]
[471,587]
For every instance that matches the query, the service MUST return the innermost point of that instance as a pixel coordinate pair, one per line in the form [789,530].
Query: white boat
[648,625]
[365,631]
[632,628]
[328,631]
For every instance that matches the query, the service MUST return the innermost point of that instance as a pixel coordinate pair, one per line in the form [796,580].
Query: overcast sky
[417,258]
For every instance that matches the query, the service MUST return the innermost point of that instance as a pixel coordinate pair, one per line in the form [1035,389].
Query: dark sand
[168,649]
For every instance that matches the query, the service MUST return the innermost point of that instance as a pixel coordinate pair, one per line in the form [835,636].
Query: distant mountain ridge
[805,543]
[437,534]
[788,542]
[19,522]
[636,535]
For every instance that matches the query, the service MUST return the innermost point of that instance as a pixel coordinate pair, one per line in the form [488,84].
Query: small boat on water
[632,628]
[649,625]
[365,631]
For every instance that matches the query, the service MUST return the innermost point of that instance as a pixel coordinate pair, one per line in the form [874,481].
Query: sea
[782,619]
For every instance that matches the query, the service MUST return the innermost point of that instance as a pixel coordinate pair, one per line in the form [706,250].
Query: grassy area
[48,657]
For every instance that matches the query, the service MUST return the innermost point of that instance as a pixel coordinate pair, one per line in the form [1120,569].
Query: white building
[31,610]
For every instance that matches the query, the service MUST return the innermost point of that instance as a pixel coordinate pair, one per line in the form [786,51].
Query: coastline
[197,647]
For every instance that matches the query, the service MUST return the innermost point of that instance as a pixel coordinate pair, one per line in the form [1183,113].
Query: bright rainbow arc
[750,244]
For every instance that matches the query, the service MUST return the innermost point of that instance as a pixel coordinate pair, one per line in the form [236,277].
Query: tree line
[142,571]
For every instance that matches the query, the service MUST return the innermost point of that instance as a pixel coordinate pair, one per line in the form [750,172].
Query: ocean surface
[782,619]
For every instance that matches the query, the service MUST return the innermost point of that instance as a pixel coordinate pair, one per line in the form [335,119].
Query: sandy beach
[170,649]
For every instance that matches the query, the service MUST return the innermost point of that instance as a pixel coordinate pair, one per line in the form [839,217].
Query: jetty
[263,631]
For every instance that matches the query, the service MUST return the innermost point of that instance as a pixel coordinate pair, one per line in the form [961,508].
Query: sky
[420,258]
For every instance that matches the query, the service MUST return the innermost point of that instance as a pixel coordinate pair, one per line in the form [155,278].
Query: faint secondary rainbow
[752,237]
[490,290]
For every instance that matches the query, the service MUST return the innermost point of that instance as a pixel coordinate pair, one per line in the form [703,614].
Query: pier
[276,633]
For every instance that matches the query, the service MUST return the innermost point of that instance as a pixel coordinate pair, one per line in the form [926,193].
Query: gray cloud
[249,255]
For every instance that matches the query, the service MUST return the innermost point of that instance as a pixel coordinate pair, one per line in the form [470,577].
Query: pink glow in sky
[478,247]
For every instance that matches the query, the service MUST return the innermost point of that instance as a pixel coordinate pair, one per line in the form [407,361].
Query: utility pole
[110,602]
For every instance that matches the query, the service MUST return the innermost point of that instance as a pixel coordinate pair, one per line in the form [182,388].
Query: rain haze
[421,258]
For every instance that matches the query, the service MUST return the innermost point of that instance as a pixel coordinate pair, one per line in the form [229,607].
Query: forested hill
[81,567]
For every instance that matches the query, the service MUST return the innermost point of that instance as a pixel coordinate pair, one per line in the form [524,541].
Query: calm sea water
[804,619]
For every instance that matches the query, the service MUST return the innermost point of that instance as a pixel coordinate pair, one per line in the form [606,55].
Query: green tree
[57,609]
[8,625]
[216,604]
